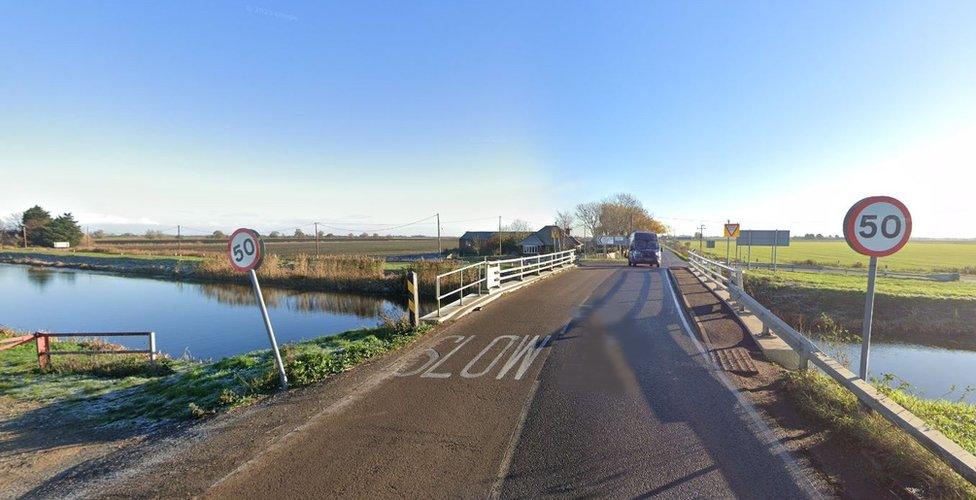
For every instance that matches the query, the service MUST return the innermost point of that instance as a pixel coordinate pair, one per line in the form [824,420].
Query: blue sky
[368,114]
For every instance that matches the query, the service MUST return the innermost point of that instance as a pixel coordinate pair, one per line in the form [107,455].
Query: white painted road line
[756,422]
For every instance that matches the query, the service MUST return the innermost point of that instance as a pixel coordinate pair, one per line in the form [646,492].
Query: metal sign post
[731,231]
[282,377]
[868,318]
[773,251]
[246,252]
[876,226]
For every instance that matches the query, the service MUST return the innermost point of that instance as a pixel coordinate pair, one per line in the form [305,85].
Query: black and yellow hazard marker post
[413,300]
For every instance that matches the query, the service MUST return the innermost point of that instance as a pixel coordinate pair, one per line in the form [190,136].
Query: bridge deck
[586,383]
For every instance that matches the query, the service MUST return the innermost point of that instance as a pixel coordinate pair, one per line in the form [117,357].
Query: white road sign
[877,226]
[245,250]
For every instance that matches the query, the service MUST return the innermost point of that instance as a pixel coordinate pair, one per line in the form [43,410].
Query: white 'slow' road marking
[526,349]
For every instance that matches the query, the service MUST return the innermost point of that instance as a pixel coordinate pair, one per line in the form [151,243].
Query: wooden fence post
[43,350]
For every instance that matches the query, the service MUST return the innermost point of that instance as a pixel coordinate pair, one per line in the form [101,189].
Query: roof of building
[478,235]
[544,236]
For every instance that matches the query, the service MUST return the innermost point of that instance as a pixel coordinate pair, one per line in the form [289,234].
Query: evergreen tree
[35,220]
[63,228]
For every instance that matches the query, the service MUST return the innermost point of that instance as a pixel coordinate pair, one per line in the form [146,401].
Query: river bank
[352,274]
[113,389]
[901,315]
[86,407]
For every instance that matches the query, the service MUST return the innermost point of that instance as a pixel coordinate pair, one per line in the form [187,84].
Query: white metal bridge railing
[490,274]
[724,274]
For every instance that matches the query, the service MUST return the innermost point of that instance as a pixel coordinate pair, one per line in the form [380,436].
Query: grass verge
[107,390]
[802,299]
[894,287]
[955,419]
[893,458]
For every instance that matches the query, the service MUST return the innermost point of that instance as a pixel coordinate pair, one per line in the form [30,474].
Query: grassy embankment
[339,272]
[106,252]
[917,255]
[891,457]
[894,458]
[349,273]
[910,310]
[906,310]
[120,388]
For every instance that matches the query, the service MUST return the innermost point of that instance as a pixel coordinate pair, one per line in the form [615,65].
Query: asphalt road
[583,384]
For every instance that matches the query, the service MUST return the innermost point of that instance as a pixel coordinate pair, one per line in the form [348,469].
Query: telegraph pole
[499,235]
[316,239]
[701,237]
[439,250]
[24,227]
[179,240]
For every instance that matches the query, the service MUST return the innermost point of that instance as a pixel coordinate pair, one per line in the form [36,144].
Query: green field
[917,255]
[897,287]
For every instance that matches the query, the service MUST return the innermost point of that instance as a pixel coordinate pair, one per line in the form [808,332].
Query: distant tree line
[36,227]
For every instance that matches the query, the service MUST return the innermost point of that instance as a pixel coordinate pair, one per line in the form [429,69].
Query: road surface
[587,383]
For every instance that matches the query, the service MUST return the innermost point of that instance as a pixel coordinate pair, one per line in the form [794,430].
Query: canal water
[202,321]
[931,372]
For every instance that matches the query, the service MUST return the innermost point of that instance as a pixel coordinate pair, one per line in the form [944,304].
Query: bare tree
[589,216]
[518,226]
[618,215]
[565,220]
[10,224]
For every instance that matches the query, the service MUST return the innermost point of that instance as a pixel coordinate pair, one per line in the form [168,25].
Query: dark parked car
[644,249]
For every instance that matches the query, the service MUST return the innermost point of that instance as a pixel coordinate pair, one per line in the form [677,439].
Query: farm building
[475,241]
[548,239]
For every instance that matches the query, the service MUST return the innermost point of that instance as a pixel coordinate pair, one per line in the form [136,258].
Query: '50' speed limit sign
[245,250]
[877,226]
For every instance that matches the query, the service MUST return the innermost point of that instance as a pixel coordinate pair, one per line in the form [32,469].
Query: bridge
[585,380]
[591,382]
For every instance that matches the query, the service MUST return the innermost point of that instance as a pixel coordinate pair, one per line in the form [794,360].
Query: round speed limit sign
[877,226]
[245,250]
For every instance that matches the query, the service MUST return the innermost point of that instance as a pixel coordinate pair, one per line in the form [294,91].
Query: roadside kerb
[752,313]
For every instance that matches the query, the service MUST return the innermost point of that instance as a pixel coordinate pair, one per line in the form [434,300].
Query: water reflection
[334,302]
[41,277]
[930,372]
[206,320]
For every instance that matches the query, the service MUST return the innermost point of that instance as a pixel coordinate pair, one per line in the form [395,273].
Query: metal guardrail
[507,269]
[730,279]
[725,275]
